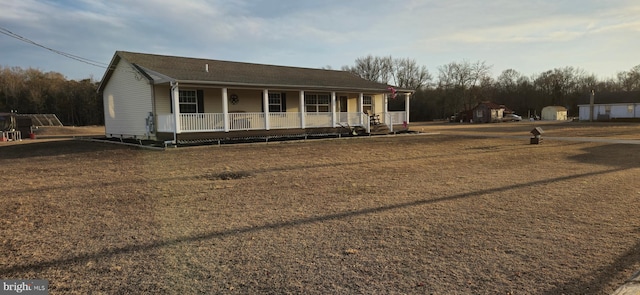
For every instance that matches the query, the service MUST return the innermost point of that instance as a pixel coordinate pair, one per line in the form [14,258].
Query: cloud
[540,27]
[317,33]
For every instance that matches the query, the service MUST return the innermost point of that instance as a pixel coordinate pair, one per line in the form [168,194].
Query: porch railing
[284,120]
[201,122]
[246,121]
[394,117]
[316,120]
[351,119]
[214,122]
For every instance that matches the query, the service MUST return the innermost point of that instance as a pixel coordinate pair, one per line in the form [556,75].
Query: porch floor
[281,134]
[256,134]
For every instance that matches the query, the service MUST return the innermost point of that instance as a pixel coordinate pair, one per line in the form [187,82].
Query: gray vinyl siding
[127,102]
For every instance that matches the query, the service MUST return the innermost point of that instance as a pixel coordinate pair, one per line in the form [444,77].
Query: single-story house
[164,98]
[486,112]
[623,105]
[554,113]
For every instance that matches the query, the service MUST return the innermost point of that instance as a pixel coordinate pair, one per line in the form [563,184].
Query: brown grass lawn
[418,214]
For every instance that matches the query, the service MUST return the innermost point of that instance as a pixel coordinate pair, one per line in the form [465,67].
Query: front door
[342,110]
[342,104]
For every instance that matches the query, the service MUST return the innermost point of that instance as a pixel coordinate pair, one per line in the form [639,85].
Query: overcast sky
[599,36]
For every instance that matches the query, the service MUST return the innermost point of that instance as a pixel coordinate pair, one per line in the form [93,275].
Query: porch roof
[164,69]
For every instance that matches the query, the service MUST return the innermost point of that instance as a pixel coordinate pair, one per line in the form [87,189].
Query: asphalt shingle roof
[248,74]
[611,97]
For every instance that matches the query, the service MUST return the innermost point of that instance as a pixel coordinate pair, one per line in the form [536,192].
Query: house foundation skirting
[214,136]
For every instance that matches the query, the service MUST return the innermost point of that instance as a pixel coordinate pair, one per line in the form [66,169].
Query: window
[367,104]
[607,109]
[317,103]
[275,103]
[630,109]
[188,101]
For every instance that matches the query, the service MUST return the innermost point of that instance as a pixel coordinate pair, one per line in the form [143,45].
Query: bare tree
[372,68]
[555,86]
[508,80]
[401,72]
[630,80]
[466,83]
[407,74]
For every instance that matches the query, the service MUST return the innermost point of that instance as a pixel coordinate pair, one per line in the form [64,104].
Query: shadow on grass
[82,259]
[601,277]
[616,155]
[53,149]
[399,158]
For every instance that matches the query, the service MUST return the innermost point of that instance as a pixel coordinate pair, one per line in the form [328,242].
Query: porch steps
[380,129]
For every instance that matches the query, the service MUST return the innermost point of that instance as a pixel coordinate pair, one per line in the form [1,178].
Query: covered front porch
[232,109]
[215,122]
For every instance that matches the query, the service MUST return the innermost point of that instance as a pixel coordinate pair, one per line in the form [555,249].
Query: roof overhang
[280,86]
[155,77]
[107,74]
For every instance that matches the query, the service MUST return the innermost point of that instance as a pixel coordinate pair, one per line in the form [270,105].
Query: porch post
[175,101]
[360,103]
[265,102]
[333,110]
[303,112]
[386,103]
[387,116]
[407,96]
[225,110]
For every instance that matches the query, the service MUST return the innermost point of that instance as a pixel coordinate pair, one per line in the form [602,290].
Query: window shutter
[170,101]
[262,100]
[200,97]
[283,98]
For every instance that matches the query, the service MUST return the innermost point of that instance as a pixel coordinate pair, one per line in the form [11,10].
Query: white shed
[554,113]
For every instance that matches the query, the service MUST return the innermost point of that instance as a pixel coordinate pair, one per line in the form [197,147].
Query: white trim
[303,110]
[360,106]
[175,97]
[265,103]
[225,109]
[334,116]
[285,87]
[407,97]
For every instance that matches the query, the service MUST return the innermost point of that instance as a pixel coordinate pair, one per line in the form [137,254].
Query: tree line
[31,91]
[459,86]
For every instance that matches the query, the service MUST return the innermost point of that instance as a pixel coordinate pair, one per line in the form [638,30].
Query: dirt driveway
[451,213]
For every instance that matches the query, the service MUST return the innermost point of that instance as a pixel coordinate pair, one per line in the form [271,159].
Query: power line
[94,63]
